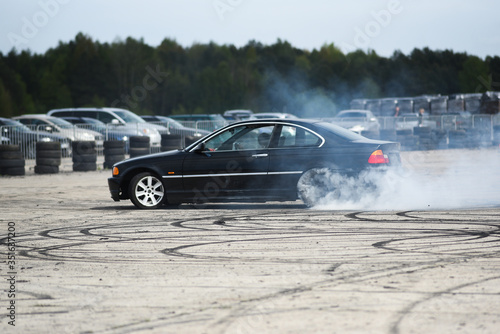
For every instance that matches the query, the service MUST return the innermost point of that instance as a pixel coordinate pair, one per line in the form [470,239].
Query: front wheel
[146,191]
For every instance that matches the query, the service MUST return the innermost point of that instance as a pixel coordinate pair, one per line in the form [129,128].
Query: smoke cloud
[429,180]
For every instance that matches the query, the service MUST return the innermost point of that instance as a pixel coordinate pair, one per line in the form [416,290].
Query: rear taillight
[378,157]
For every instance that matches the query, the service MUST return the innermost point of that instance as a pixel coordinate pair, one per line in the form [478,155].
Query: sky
[384,26]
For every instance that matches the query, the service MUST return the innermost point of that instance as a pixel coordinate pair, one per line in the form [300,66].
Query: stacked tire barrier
[496,135]
[171,142]
[114,151]
[457,139]
[48,157]
[388,134]
[425,140]
[11,160]
[84,156]
[440,138]
[139,145]
[407,139]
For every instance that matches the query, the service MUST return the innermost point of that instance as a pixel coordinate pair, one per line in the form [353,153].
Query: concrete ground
[426,260]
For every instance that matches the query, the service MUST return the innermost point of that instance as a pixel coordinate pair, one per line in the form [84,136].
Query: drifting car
[255,160]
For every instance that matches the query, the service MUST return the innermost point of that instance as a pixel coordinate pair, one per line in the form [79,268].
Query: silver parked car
[119,119]
[357,120]
[40,122]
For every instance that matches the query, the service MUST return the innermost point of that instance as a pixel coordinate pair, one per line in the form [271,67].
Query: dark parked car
[109,133]
[174,126]
[256,160]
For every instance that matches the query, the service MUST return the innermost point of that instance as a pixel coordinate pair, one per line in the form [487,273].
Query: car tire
[48,161]
[12,163]
[9,155]
[146,191]
[13,171]
[9,148]
[48,146]
[85,167]
[46,169]
[51,154]
[315,184]
[81,158]
[114,151]
[110,144]
[138,151]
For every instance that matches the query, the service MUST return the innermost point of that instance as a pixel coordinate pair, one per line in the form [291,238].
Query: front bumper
[114,188]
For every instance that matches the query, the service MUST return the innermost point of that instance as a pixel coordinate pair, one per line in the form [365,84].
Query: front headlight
[45,139]
[145,131]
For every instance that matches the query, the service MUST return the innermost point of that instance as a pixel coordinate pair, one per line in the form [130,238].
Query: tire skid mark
[408,310]
[240,309]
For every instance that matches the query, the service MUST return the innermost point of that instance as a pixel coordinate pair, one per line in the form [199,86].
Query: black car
[256,160]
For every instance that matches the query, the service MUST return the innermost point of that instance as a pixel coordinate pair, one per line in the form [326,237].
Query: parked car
[19,134]
[60,127]
[357,120]
[109,133]
[122,119]
[175,127]
[262,115]
[208,122]
[253,160]
[237,115]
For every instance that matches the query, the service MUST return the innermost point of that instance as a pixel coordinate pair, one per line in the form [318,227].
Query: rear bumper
[114,188]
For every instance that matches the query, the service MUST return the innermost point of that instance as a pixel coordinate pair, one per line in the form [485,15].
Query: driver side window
[247,137]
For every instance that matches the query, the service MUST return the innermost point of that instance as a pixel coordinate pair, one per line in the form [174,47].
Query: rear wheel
[146,191]
[318,183]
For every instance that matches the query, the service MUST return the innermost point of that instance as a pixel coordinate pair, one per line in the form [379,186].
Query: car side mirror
[115,121]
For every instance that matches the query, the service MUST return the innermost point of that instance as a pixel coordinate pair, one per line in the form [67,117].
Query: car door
[293,150]
[233,163]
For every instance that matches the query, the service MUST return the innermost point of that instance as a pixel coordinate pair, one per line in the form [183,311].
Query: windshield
[18,125]
[172,123]
[61,122]
[128,116]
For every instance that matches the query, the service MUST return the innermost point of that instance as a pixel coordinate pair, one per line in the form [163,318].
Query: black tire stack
[114,151]
[407,139]
[139,145]
[457,139]
[424,136]
[11,160]
[48,157]
[440,139]
[496,135]
[84,156]
[171,142]
[388,134]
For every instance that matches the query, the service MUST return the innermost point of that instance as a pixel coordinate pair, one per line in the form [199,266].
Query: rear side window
[292,136]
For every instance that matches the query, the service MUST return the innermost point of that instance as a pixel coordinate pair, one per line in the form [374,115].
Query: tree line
[211,78]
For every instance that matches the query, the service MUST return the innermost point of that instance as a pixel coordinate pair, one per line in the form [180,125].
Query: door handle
[262,155]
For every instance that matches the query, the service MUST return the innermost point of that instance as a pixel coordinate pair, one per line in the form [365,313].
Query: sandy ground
[85,264]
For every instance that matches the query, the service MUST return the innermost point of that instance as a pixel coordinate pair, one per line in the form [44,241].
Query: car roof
[35,116]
